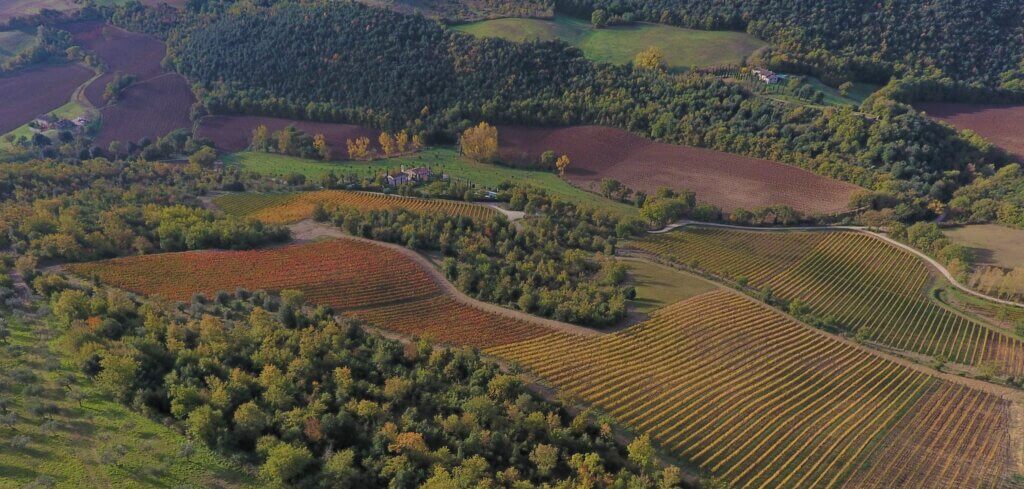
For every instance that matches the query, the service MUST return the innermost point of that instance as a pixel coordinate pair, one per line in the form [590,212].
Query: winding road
[861,229]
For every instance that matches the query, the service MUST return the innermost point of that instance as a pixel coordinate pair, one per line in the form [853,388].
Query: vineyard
[763,401]
[357,278]
[284,208]
[851,279]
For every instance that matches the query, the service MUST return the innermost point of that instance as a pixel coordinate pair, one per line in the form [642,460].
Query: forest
[315,400]
[842,41]
[375,67]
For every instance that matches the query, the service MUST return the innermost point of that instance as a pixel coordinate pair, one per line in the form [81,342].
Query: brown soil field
[726,180]
[32,92]
[1003,125]
[122,51]
[150,109]
[234,132]
[20,8]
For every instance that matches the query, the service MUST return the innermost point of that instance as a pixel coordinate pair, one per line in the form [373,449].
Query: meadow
[683,48]
[853,280]
[14,42]
[658,285]
[445,160]
[760,400]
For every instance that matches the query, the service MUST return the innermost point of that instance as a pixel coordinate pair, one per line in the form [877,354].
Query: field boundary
[860,229]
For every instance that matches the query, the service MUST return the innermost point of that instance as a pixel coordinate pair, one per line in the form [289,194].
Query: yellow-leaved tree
[358,149]
[480,142]
[402,141]
[322,148]
[562,164]
[651,58]
[387,144]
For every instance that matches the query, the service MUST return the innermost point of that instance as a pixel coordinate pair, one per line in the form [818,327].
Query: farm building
[418,174]
[767,76]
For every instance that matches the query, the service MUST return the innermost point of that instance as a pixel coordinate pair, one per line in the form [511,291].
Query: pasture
[446,160]
[95,442]
[727,180]
[286,208]
[14,42]
[658,285]
[763,401]
[856,281]
[360,279]
[991,244]
[682,48]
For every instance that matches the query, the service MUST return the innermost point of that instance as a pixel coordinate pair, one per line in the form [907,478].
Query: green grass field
[683,48]
[658,285]
[99,443]
[445,158]
[856,95]
[14,42]
[991,244]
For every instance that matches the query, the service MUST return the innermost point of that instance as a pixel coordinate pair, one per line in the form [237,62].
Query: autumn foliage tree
[561,164]
[480,142]
[322,147]
[651,58]
[387,144]
[359,148]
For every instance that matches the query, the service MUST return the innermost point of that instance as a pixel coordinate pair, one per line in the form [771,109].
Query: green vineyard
[763,401]
[853,279]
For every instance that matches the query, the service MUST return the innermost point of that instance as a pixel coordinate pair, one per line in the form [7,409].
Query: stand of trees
[557,264]
[316,401]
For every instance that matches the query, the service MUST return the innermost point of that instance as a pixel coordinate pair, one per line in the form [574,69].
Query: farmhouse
[767,76]
[397,179]
[418,174]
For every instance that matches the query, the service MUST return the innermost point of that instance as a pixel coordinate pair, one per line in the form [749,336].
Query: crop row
[357,278]
[853,279]
[292,207]
[739,389]
[339,273]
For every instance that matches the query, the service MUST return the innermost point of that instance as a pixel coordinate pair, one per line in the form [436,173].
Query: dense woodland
[557,264]
[316,401]
[966,40]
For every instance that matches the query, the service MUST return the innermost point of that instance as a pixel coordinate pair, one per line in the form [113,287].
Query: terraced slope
[357,278]
[853,279]
[763,401]
[284,208]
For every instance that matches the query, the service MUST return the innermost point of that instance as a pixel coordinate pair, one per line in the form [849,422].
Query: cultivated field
[860,282]
[35,91]
[682,48]
[234,133]
[19,8]
[726,180]
[157,103]
[292,207]
[150,109]
[361,279]
[1003,125]
[763,401]
[445,160]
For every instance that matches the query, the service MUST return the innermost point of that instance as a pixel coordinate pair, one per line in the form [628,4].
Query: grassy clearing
[446,159]
[658,286]
[683,48]
[99,443]
[14,42]
[991,244]
[853,98]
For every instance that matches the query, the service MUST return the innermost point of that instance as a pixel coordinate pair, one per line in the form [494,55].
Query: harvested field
[150,109]
[358,278]
[122,51]
[726,180]
[1003,125]
[287,208]
[762,401]
[853,280]
[234,132]
[35,91]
